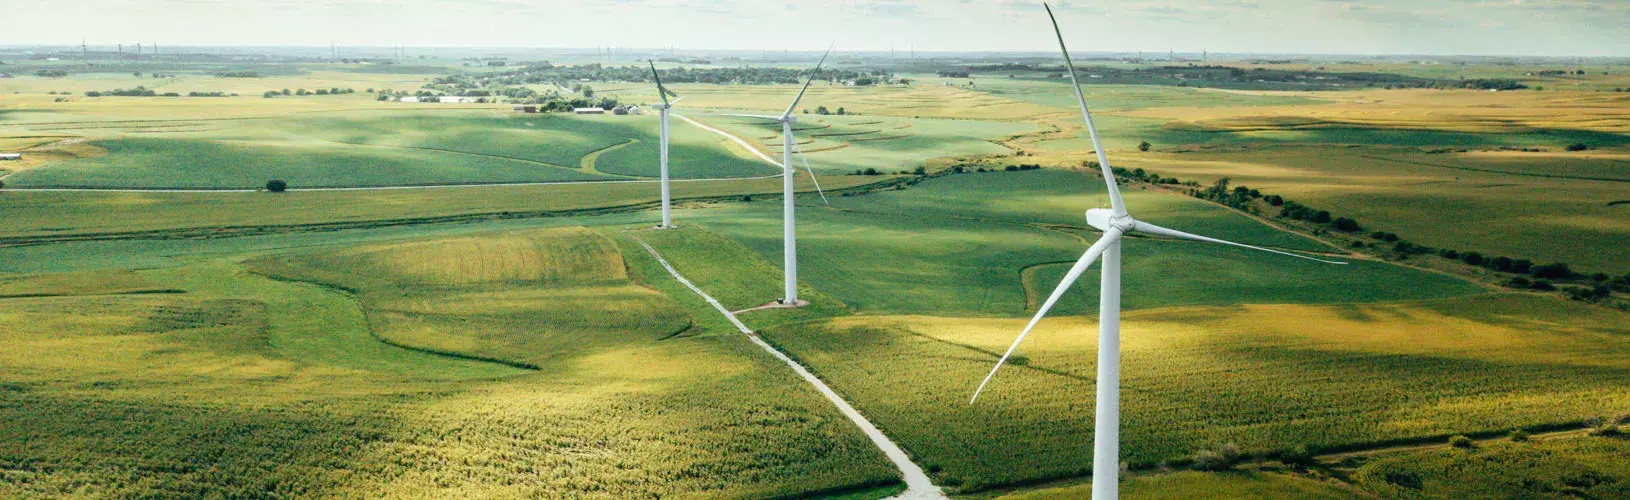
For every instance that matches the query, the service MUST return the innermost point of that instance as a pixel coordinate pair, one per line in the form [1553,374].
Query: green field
[520,341]
[233,392]
[1196,377]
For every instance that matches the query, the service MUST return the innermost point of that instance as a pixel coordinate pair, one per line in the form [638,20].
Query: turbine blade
[811,79]
[1097,249]
[1145,227]
[811,171]
[660,91]
[1115,202]
[676,101]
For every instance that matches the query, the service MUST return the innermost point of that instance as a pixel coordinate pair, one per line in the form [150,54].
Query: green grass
[1266,377]
[1581,467]
[248,386]
[1191,484]
[693,153]
[429,295]
[913,255]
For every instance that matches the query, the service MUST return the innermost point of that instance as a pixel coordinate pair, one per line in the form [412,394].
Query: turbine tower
[789,144]
[1115,222]
[662,120]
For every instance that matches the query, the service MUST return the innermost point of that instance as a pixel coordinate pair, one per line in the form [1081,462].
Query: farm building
[453,99]
[11,156]
[589,111]
[526,109]
[408,99]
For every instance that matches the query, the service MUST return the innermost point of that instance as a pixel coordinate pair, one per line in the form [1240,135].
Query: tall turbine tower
[662,120]
[789,255]
[1115,222]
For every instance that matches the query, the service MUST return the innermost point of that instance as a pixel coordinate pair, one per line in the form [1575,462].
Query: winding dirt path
[918,485]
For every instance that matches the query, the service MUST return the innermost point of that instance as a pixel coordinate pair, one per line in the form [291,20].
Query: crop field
[849,143]
[233,368]
[520,341]
[1585,467]
[382,149]
[980,259]
[1196,377]
[1524,205]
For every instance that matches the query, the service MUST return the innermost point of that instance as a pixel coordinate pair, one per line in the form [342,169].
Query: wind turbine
[662,119]
[789,255]
[1115,222]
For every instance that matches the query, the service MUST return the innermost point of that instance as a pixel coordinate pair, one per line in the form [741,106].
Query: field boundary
[918,485]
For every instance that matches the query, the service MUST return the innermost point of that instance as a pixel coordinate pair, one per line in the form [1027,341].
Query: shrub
[1473,258]
[1578,146]
[1276,200]
[1404,479]
[1606,428]
[1519,282]
[1519,435]
[920,171]
[873,171]
[1460,442]
[276,186]
[1300,455]
[1223,458]
[1502,264]
[1543,284]
[1345,224]
[1143,146]
[1556,270]
[1449,254]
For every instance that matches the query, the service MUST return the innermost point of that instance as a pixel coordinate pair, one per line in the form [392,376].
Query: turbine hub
[1103,219]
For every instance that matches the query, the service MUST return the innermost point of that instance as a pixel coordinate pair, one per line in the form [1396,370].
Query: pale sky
[1486,27]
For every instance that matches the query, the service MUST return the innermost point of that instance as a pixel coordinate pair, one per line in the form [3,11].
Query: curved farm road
[918,486]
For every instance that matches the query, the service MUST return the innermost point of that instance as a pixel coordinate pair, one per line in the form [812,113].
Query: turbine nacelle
[1104,218]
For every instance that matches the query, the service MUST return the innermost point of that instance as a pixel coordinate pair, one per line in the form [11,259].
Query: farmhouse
[526,109]
[589,111]
[11,156]
[453,99]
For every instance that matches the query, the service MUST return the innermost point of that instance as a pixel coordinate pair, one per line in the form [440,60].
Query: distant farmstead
[453,99]
[589,111]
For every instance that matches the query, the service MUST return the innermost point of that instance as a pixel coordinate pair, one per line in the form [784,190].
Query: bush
[1345,224]
[872,171]
[1556,270]
[1449,254]
[1519,282]
[1460,442]
[1543,284]
[1143,146]
[1473,258]
[1276,200]
[276,186]
[1578,146]
[1519,435]
[1223,458]
[920,171]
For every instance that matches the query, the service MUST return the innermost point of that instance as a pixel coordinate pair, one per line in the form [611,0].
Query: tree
[136,74]
[588,92]
[821,110]
[1276,200]
[1143,146]
[1578,146]
[276,186]
[840,110]
[1321,217]
[1345,224]
[270,94]
[1502,264]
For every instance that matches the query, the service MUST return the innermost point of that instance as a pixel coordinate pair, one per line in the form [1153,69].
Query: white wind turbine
[662,120]
[1115,223]
[789,144]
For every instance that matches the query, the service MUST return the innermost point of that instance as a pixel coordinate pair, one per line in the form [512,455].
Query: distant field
[850,143]
[229,390]
[1523,205]
[61,215]
[378,149]
[1268,377]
